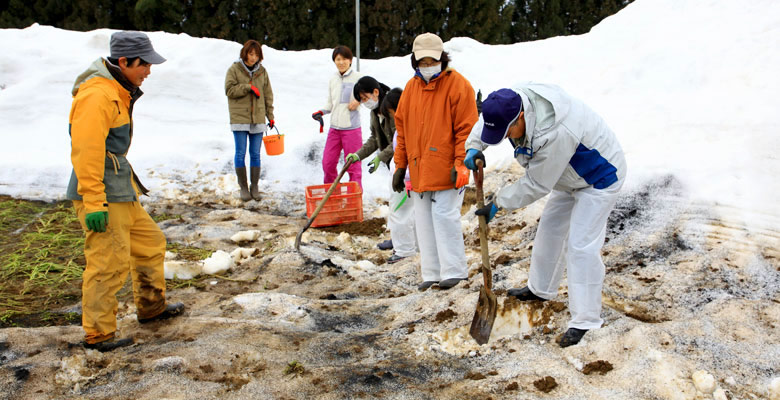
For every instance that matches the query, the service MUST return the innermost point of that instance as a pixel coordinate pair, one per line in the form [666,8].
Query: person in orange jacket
[434,118]
[103,185]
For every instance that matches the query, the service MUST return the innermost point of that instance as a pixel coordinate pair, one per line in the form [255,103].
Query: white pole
[357,32]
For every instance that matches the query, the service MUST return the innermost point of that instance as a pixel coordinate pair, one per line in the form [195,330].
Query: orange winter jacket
[433,122]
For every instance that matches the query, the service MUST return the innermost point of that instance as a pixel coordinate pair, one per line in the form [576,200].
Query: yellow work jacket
[101,129]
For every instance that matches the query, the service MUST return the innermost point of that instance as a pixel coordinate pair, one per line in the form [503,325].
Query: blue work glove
[97,221]
[472,155]
[373,164]
[489,211]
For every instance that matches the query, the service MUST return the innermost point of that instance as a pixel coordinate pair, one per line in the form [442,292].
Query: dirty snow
[693,279]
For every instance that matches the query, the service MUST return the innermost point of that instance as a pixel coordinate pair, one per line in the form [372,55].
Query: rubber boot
[254,173]
[241,174]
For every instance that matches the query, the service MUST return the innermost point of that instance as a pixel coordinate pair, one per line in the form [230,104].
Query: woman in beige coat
[250,102]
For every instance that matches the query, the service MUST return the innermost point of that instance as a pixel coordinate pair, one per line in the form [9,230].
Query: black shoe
[171,310]
[449,283]
[108,345]
[524,294]
[386,245]
[394,259]
[425,285]
[572,337]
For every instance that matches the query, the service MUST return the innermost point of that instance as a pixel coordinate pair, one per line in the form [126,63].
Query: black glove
[398,180]
[318,117]
[479,102]
[488,211]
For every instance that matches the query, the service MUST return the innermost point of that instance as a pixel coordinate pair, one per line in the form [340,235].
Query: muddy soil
[369,227]
[334,321]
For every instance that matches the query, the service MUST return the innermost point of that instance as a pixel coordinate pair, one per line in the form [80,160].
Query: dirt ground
[334,321]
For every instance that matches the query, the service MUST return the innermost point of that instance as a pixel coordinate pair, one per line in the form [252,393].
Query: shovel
[487,304]
[335,183]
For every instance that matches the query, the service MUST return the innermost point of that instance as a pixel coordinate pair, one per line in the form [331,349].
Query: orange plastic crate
[344,205]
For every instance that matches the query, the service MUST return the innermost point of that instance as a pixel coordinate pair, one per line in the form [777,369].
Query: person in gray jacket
[569,152]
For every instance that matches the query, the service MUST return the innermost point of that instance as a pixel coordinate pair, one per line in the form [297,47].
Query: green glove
[97,221]
[373,164]
[352,157]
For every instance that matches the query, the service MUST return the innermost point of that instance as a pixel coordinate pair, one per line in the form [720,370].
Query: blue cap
[498,111]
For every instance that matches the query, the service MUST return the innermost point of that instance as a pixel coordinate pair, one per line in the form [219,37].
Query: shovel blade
[484,316]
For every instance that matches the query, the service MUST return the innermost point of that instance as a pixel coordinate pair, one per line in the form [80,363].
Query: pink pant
[348,139]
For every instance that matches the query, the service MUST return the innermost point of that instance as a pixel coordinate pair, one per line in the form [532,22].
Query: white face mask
[428,72]
[370,104]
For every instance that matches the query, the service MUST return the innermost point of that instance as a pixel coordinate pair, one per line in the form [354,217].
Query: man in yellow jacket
[120,235]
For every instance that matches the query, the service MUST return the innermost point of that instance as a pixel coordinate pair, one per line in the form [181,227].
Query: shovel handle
[335,183]
[487,274]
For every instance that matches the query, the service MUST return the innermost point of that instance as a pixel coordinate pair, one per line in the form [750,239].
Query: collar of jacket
[345,74]
[246,68]
[135,91]
[430,85]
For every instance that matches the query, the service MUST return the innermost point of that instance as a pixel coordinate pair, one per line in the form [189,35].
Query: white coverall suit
[569,151]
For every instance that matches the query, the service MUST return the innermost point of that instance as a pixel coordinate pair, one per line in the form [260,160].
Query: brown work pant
[132,242]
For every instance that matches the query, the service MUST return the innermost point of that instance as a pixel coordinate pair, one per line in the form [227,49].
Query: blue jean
[255,142]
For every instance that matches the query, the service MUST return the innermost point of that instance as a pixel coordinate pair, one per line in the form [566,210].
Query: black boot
[108,345]
[254,177]
[449,283]
[523,294]
[241,175]
[171,310]
[572,337]
[386,245]
[425,285]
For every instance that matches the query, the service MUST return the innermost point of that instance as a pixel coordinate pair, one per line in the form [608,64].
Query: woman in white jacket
[569,151]
[344,133]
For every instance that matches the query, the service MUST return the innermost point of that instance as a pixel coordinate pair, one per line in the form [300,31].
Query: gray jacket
[567,146]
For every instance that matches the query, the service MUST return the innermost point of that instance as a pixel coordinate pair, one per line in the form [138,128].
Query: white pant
[401,225]
[437,221]
[577,221]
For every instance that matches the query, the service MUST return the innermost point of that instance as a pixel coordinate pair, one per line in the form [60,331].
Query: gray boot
[241,174]
[254,178]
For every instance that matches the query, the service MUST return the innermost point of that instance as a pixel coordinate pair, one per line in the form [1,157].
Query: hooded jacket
[566,146]
[339,96]
[433,121]
[101,130]
[243,106]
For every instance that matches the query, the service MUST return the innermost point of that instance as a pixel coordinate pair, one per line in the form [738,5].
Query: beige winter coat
[244,107]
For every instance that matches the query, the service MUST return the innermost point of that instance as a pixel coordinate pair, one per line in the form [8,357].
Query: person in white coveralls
[569,152]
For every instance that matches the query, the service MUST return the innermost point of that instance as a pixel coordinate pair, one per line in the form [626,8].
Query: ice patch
[241,253]
[704,382]
[182,269]
[774,389]
[219,261]
[245,236]
[512,319]
[280,308]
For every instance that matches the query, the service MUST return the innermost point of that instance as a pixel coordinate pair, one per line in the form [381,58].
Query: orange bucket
[274,144]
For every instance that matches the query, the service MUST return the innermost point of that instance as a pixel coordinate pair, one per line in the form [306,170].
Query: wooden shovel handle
[335,183]
[487,274]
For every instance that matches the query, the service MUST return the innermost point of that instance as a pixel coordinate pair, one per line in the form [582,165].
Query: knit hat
[132,44]
[427,45]
[499,110]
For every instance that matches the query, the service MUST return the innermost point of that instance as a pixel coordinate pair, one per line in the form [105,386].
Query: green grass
[165,217]
[41,259]
[189,253]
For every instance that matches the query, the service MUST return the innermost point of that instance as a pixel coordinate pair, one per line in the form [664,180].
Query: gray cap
[134,44]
